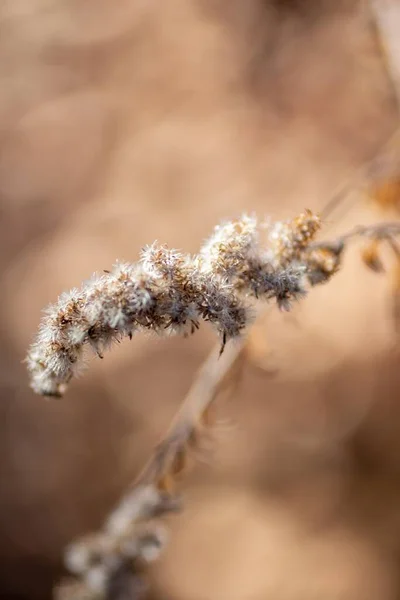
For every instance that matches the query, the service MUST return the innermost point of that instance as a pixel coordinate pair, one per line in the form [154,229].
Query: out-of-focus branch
[386,19]
[132,536]
[211,378]
[379,231]
[382,165]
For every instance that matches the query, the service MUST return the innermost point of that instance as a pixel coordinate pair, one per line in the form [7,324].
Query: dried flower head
[289,239]
[168,292]
[130,540]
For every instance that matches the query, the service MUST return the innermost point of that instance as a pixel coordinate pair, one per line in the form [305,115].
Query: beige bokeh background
[124,122]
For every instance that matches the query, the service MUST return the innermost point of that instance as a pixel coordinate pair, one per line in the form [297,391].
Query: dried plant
[169,292]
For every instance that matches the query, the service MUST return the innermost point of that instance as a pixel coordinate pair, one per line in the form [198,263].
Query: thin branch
[203,392]
[385,17]
[380,231]
[131,537]
[369,170]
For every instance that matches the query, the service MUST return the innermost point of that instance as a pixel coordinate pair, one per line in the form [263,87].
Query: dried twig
[378,231]
[192,414]
[386,21]
[381,166]
[131,536]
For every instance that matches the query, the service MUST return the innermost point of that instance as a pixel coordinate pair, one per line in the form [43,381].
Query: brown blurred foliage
[124,122]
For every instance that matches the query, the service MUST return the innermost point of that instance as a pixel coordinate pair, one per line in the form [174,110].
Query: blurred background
[125,122]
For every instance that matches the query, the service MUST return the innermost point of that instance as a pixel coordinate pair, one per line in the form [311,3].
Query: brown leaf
[371,258]
[386,194]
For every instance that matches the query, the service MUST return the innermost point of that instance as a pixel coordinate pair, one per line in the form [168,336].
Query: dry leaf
[386,194]
[371,258]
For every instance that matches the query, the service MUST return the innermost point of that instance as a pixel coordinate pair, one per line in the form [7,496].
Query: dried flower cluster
[170,292]
[132,538]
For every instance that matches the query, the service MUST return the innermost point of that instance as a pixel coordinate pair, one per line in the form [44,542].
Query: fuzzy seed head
[168,292]
[288,239]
